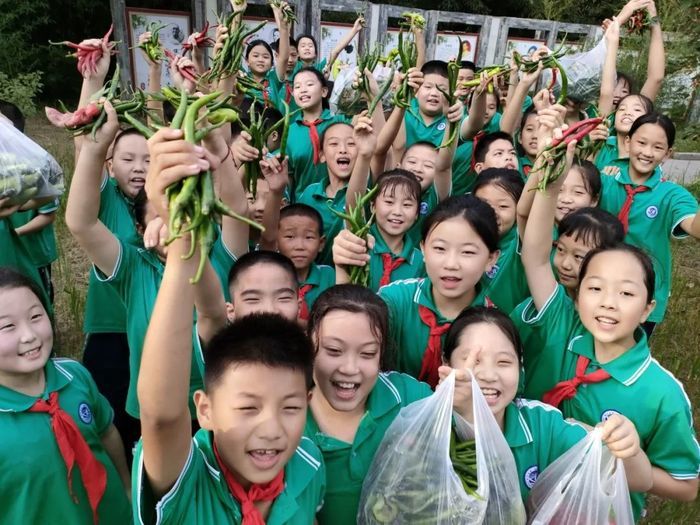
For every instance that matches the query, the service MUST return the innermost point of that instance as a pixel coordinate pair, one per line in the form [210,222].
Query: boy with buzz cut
[495,150]
[249,462]
[300,238]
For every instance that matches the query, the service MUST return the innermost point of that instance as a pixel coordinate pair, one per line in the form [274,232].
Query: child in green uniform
[495,150]
[602,346]
[249,462]
[308,50]
[304,143]
[261,281]
[651,209]
[615,147]
[394,255]
[505,283]
[72,465]
[355,399]
[283,88]
[460,244]
[527,142]
[258,56]
[36,232]
[485,341]
[135,272]
[300,237]
[339,153]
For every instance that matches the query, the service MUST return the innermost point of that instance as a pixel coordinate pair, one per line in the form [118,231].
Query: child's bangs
[390,184]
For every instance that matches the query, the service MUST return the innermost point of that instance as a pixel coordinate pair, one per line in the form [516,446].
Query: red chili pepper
[554,79]
[200,40]
[578,130]
[188,72]
[88,54]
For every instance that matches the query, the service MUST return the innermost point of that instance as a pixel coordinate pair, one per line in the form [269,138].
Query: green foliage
[20,26]
[21,90]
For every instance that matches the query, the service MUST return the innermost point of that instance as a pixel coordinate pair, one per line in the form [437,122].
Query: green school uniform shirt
[463,177]
[406,330]
[13,254]
[506,284]
[347,463]
[654,218]
[302,170]
[639,388]
[319,66]
[315,196]
[537,434]
[269,95]
[608,153]
[136,279]
[41,245]
[201,496]
[282,90]
[105,311]
[412,266]
[321,277]
[429,201]
[34,484]
[418,131]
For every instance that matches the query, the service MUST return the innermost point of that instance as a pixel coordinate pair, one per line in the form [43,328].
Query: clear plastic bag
[412,481]
[346,98]
[27,171]
[585,486]
[583,71]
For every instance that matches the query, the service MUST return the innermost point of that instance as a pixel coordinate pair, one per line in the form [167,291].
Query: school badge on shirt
[652,212]
[531,476]
[441,126]
[84,413]
[493,271]
[606,415]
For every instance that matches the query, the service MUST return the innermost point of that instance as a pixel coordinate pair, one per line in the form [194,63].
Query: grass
[676,343]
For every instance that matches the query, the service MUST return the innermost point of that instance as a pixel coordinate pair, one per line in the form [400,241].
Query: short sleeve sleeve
[673,447]
[123,272]
[684,206]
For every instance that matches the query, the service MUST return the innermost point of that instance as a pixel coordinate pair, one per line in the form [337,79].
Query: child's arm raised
[163,382]
[537,239]
[608,78]
[277,176]
[474,123]
[342,44]
[83,207]
[552,117]
[365,141]
[155,70]
[514,110]
[656,64]
[283,51]
[419,36]
[446,153]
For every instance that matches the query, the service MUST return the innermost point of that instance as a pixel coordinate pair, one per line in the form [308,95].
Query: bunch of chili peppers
[408,56]
[354,218]
[187,70]
[451,93]
[89,54]
[152,46]
[227,61]
[639,22]
[259,134]
[463,457]
[287,11]
[198,39]
[550,61]
[551,159]
[492,73]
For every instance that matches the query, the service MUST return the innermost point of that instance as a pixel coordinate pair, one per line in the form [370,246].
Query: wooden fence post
[121,33]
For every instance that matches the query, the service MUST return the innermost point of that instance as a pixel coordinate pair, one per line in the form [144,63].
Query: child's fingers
[444,371]
[472,359]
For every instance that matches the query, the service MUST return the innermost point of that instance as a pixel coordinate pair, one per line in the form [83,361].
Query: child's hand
[455,113]
[156,233]
[463,402]
[363,133]
[543,99]
[358,25]
[6,208]
[529,79]
[351,250]
[550,119]
[600,133]
[277,13]
[145,37]
[371,83]
[630,8]
[415,78]
[172,159]
[106,133]
[180,81]
[276,173]
[484,82]
[621,437]
[242,151]
[612,32]
[239,5]
[102,65]
[612,171]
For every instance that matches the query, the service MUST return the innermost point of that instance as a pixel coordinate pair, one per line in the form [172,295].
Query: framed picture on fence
[177,27]
[269,32]
[524,46]
[331,34]
[447,46]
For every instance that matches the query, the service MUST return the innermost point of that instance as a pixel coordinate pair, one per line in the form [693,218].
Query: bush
[21,90]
